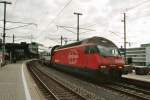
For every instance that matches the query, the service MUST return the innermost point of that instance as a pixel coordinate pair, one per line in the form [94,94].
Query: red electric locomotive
[96,56]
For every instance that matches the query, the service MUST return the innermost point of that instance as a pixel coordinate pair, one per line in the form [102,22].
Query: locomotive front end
[111,63]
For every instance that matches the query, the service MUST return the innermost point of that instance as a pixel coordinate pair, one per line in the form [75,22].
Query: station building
[139,56]
[18,51]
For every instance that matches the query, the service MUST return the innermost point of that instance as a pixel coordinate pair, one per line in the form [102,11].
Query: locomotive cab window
[108,51]
[91,50]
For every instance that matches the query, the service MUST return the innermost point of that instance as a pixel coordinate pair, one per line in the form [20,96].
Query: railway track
[143,84]
[52,89]
[129,90]
[133,87]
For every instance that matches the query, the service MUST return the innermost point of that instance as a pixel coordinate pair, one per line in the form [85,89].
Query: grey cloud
[101,21]
[85,1]
[59,2]
[92,10]
[104,14]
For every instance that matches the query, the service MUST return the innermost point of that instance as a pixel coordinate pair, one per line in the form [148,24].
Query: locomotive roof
[94,40]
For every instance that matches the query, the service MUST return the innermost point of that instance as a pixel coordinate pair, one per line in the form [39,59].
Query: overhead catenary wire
[85,31]
[27,36]
[18,26]
[61,11]
[74,27]
[8,21]
[53,40]
[89,25]
[13,6]
[115,33]
[127,10]
[25,24]
[68,30]
[65,27]
[52,21]
[136,5]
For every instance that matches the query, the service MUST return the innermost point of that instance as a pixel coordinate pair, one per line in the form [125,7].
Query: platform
[17,84]
[137,77]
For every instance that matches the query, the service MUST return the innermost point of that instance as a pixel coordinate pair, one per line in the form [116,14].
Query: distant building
[20,51]
[33,47]
[138,56]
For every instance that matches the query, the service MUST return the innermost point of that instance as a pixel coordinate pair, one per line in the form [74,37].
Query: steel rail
[127,91]
[133,87]
[43,84]
[54,94]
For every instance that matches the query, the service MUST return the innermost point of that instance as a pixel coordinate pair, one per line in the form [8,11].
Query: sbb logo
[73,56]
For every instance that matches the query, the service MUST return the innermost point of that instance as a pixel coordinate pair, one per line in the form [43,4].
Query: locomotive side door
[87,57]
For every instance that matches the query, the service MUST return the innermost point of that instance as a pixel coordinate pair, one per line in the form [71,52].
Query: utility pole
[13,39]
[13,51]
[61,38]
[77,24]
[31,38]
[124,20]
[4,34]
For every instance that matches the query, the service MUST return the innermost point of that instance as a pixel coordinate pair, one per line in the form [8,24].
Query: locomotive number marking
[73,56]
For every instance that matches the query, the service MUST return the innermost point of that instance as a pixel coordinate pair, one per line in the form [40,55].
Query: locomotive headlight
[120,67]
[103,66]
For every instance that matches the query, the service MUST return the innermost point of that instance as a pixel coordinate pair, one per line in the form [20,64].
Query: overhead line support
[3,47]
[77,24]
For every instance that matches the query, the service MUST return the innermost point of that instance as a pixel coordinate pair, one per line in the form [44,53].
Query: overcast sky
[102,16]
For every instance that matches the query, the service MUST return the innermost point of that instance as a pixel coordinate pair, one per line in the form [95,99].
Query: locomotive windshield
[108,51]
